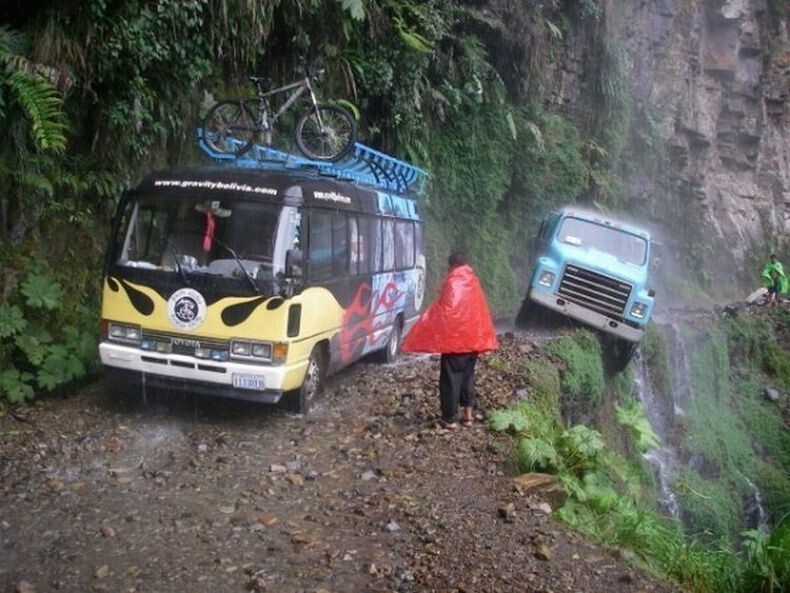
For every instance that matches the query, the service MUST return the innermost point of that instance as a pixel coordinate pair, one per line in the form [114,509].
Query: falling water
[755,512]
[679,359]
[663,458]
[662,410]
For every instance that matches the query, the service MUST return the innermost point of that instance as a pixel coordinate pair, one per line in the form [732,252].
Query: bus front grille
[181,344]
[595,291]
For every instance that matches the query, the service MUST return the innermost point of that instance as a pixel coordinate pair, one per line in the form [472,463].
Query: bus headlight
[251,350]
[241,349]
[546,279]
[120,332]
[638,310]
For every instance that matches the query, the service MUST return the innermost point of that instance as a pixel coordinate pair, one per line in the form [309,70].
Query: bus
[595,269]
[256,283]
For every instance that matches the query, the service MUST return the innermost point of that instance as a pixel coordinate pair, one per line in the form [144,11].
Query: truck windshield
[192,235]
[624,246]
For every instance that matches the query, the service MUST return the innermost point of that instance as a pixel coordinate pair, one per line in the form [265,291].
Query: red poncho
[458,322]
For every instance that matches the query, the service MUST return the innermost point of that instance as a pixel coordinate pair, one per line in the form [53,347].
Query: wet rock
[507,512]
[296,480]
[391,527]
[543,486]
[543,552]
[102,572]
[542,507]
[771,394]
[266,519]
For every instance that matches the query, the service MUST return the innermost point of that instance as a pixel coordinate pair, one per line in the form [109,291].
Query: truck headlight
[546,279]
[638,310]
[120,332]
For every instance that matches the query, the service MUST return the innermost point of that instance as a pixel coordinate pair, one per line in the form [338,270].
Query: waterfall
[662,411]
[663,459]
[680,362]
[755,513]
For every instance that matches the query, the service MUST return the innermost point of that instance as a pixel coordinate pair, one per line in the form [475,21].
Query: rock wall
[713,78]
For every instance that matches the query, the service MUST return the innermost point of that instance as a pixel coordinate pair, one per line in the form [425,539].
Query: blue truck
[594,269]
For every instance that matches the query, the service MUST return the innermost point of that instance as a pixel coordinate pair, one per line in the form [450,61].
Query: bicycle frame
[263,103]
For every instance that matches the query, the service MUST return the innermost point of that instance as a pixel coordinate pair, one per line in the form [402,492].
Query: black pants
[456,383]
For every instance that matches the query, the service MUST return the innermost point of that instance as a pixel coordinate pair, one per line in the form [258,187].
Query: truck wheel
[527,314]
[302,399]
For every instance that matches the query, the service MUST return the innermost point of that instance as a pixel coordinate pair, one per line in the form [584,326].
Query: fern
[12,320]
[510,419]
[536,454]
[581,447]
[632,417]
[38,99]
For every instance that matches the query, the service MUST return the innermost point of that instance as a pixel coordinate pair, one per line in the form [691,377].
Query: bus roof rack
[363,165]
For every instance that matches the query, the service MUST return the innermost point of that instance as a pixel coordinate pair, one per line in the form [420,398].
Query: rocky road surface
[99,492]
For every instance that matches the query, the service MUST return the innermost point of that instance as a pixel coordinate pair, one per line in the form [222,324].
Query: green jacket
[782,281]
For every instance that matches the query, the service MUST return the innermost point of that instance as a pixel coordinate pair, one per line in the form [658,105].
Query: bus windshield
[624,246]
[230,238]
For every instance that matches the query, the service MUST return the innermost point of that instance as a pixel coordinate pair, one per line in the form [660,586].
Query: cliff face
[710,79]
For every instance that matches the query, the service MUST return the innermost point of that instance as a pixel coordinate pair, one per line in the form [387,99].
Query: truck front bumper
[186,373]
[586,316]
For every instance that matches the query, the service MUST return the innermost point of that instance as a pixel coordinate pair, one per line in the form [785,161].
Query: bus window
[363,247]
[146,238]
[404,245]
[375,245]
[353,245]
[339,244]
[320,245]
[388,243]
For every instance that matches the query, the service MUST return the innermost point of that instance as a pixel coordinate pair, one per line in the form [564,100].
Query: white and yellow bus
[255,284]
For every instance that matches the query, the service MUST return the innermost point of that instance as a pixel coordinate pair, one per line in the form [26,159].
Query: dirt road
[99,493]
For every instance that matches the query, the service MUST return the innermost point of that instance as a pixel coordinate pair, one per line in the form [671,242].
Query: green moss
[654,348]
[716,432]
[544,378]
[774,485]
[708,508]
[623,384]
[582,375]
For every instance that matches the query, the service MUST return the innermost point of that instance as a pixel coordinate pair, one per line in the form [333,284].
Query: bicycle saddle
[262,80]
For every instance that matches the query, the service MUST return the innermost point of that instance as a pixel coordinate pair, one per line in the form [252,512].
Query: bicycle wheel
[326,133]
[229,127]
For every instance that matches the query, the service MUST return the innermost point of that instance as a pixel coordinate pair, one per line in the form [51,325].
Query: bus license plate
[244,381]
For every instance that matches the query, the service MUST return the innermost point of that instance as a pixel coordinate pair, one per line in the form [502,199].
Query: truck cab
[594,269]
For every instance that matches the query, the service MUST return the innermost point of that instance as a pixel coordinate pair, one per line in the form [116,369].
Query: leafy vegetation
[609,496]
[581,375]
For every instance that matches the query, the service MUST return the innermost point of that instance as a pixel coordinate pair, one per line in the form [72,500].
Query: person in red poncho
[458,325]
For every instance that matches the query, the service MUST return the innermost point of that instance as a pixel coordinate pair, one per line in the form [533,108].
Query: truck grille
[182,344]
[595,291]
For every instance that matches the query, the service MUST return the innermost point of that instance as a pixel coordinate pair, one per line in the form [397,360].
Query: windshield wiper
[177,261]
[241,265]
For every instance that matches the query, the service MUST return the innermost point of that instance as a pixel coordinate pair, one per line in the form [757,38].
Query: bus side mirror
[293,264]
